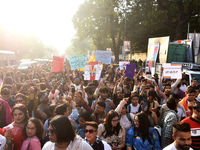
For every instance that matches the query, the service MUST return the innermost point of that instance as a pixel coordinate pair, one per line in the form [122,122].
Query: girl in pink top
[34,131]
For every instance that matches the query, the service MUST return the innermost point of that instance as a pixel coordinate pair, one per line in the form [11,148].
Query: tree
[100,20]
[155,18]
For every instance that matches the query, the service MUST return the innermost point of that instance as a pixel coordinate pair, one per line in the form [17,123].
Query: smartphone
[144,106]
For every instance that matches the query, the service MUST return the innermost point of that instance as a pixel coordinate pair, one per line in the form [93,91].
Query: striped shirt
[195,132]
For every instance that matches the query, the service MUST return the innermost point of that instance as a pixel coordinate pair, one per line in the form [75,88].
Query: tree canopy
[103,21]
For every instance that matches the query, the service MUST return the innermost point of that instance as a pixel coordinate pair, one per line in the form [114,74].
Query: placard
[104,56]
[122,64]
[93,71]
[78,61]
[130,70]
[58,64]
[172,71]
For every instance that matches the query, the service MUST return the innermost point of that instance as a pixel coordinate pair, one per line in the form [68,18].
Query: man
[194,122]
[90,97]
[91,137]
[103,92]
[190,97]
[181,136]
[6,96]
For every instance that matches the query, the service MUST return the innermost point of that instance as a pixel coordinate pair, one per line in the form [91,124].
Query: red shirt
[195,132]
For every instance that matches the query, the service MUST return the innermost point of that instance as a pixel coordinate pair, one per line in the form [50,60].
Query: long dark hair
[108,124]
[38,125]
[144,125]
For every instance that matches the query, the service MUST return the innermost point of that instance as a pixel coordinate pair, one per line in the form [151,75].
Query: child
[133,107]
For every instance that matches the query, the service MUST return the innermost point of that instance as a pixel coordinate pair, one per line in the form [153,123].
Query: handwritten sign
[58,64]
[104,56]
[78,61]
[130,70]
[122,64]
[172,71]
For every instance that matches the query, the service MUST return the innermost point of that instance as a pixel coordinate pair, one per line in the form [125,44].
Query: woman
[145,106]
[5,114]
[34,131]
[62,136]
[14,130]
[141,135]
[111,131]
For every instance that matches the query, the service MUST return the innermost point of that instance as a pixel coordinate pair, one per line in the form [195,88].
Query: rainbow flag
[145,76]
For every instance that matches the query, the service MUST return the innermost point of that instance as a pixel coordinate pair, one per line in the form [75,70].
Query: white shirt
[172,147]
[77,144]
[180,113]
[134,109]
[106,145]
[2,142]
[183,87]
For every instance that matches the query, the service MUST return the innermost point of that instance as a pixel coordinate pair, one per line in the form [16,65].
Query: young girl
[34,131]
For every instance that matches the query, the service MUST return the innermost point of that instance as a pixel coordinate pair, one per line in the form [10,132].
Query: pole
[125,30]
[188,31]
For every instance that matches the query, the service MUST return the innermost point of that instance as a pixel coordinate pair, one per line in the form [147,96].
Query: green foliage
[103,21]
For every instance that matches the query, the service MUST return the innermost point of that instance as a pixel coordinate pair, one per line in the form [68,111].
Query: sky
[51,20]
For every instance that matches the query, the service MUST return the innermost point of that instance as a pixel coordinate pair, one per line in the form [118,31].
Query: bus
[7,58]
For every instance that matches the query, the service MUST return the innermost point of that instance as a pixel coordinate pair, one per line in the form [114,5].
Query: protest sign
[130,70]
[93,71]
[127,46]
[172,71]
[58,64]
[104,56]
[152,54]
[122,64]
[78,61]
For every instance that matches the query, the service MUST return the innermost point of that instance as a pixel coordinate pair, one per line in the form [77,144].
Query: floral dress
[114,139]
[136,141]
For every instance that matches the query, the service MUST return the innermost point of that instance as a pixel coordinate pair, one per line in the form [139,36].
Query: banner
[78,61]
[104,56]
[172,71]
[152,54]
[130,70]
[127,46]
[122,64]
[58,64]
[93,71]
[163,47]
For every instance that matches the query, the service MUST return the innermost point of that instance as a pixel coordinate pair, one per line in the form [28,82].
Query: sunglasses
[90,131]
[51,131]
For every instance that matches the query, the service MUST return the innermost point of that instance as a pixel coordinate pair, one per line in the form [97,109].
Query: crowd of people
[50,110]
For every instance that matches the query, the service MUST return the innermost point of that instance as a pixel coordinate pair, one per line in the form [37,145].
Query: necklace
[62,145]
